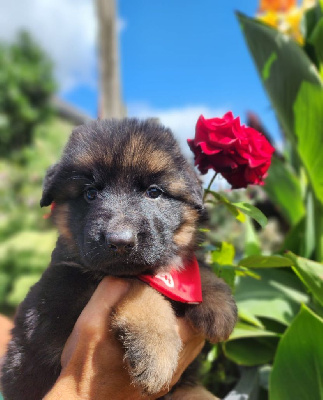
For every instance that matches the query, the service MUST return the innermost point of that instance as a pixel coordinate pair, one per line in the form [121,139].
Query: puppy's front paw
[145,325]
[151,356]
[216,316]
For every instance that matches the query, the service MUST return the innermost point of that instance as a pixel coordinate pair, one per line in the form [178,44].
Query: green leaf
[251,352]
[265,262]
[311,18]
[243,331]
[316,39]
[285,64]
[220,258]
[308,111]
[249,345]
[230,207]
[252,212]
[309,232]
[247,316]
[295,239]
[284,190]
[311,274]
[277,295]
[224,255]
[252,243]
[298,367]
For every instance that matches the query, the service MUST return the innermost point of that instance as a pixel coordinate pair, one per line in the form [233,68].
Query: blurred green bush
[26,238]
[26,87]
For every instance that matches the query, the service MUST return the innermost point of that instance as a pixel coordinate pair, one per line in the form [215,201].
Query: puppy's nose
[124,240]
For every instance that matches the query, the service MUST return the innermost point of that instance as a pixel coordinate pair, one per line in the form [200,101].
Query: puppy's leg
[192,393]
[217,314]
[145,324]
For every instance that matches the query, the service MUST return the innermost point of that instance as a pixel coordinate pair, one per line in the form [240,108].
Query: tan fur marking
[193,393]
[61,212]
[145,323]
[177,187]
[134,151]
[139,153]
[185,233]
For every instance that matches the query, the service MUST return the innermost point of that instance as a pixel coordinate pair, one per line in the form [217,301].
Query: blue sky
[178,58]
[184,54]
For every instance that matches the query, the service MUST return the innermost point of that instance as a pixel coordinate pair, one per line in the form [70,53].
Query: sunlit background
[63,62]
[178,59]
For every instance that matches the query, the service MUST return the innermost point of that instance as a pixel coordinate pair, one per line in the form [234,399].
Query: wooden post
[110,103]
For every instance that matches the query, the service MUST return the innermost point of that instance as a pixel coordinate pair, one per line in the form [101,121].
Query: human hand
[92,360]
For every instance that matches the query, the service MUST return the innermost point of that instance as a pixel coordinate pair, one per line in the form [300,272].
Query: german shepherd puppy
[126,203]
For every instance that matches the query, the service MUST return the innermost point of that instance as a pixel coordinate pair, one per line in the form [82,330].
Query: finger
[94,319]
[109,291]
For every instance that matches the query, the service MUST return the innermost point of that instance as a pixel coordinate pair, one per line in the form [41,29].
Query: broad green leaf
[316,39]
[310,20]
[265,262]
[298,367]
[311,274]
[245,331]
[284,190]
[252,243]
[308,111]
[251,351]
[249,345]
[282,65]
[252,212]
[247,316]
[277,295]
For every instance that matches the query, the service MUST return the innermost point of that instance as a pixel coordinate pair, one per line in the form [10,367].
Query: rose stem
[209,186]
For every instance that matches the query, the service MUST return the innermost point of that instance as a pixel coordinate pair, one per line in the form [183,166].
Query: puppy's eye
[153,192]
[91,194]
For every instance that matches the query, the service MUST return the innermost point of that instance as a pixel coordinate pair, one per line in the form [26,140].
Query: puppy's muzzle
[121,241]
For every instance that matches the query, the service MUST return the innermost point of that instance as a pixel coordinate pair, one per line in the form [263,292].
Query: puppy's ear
[48,186]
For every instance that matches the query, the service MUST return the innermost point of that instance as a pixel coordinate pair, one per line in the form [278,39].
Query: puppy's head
[125,197]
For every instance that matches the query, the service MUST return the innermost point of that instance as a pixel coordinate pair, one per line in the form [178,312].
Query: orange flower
[270,18]
[285,15]
[293,24]
[276,5]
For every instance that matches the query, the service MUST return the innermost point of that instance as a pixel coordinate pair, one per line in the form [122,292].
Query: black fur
[120,160]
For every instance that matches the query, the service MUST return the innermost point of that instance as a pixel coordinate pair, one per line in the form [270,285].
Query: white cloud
[66,29]
[182,122]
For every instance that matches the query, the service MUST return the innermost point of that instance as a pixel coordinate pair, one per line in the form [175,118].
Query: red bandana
[183,286]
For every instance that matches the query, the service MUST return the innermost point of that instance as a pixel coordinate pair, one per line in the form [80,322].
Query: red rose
[241,154]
